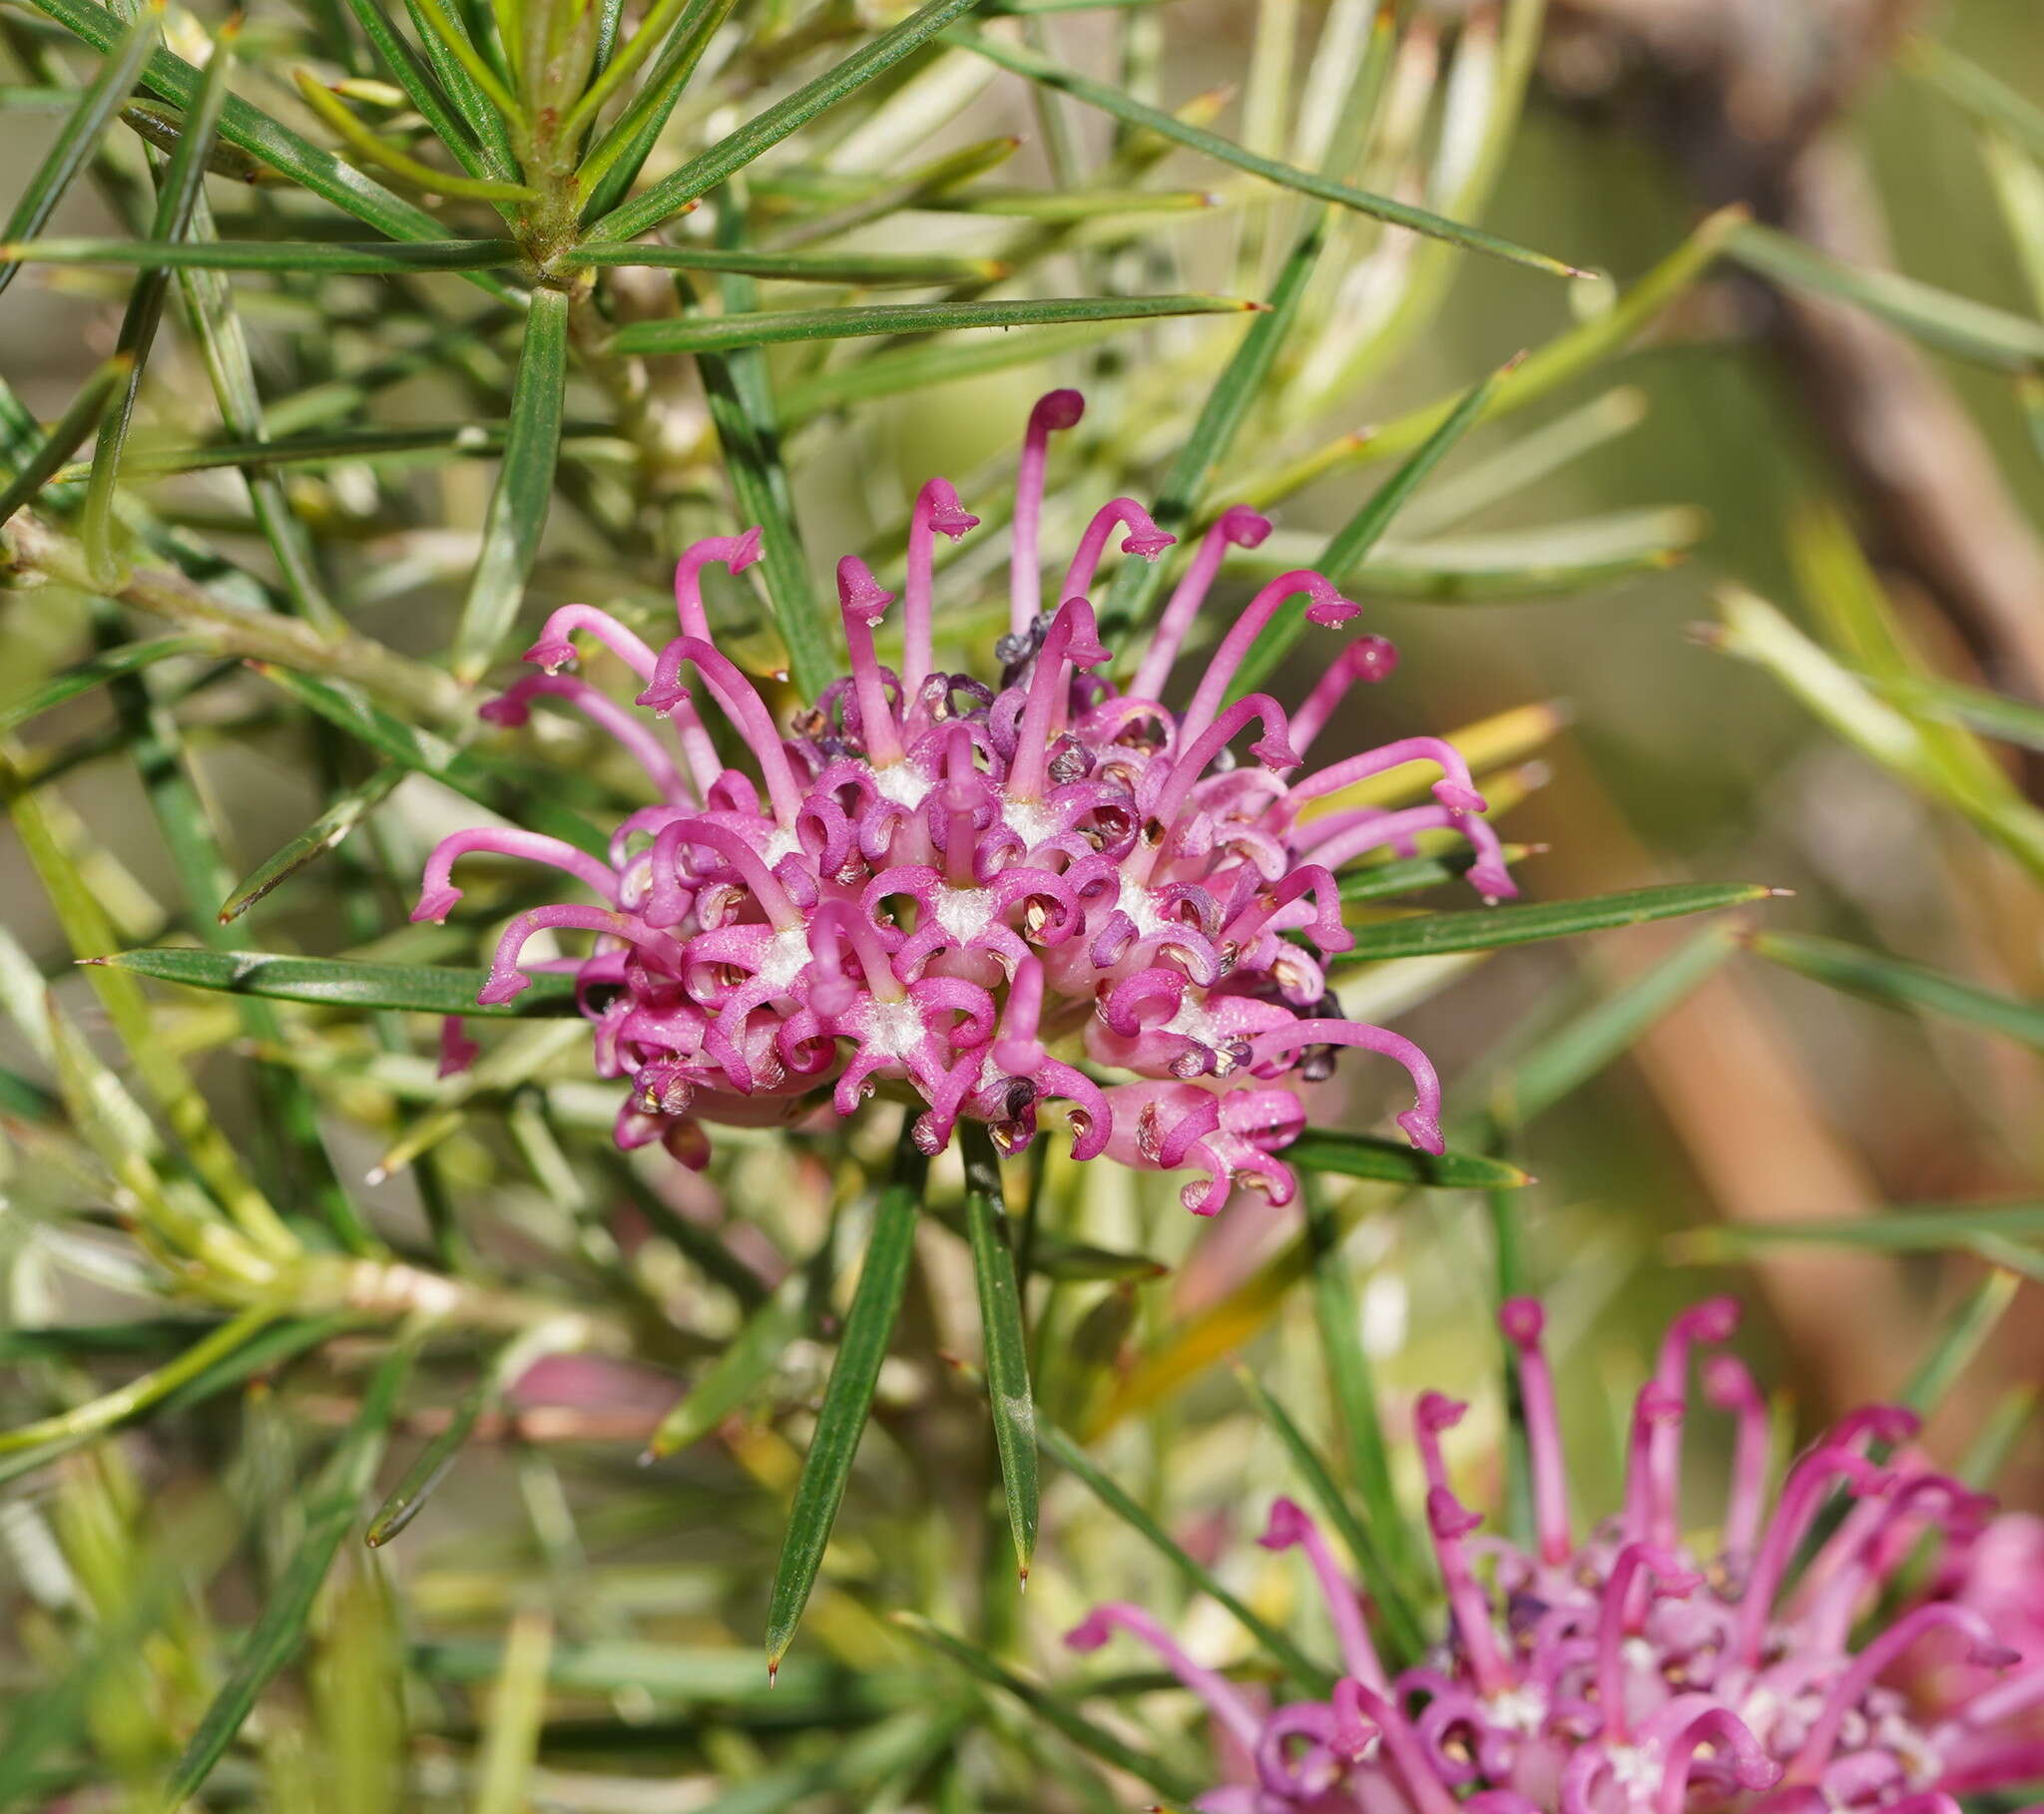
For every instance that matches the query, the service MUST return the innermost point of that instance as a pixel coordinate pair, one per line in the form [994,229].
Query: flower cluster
[988,896]
[1624,1673]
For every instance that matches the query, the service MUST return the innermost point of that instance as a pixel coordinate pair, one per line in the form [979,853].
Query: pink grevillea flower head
[1783,1665]
[1049,891]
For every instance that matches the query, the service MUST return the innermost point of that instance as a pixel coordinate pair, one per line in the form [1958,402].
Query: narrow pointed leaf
[1006,1340]
[395,159]
[1992,714]
[1922,1229]
[1962,1336]
[1132,112]
[1365,1155]
[1566,1059]
[459,441]
[1137,583]
[126,49]
[1956,324]
[280,1629]
[324,834]
[430,1465]
[425,93]
[178,193]
[329,257]
[311,166]
[621,149]
[1358,1411]
[1896,984]
[340,982]
[1983,94]
[923,367]
[66,435]
[714,334]
[1408,875]
[524,489]
[746,1362]
[1520,923]
[488,785]
[485,122]
[739,387]
[763,131]
[1196,1575]
[865,269]
[847,1398]
[1350,544]
[1094,1739]
[1370,1557]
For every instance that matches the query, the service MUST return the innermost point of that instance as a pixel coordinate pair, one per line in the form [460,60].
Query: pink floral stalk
[1632,1673]
[987,899]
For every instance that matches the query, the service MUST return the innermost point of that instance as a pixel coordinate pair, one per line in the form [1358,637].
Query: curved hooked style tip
[859,594]
[937,503]
[1523,1320]
[735,553]
[1241,527]
[1724,1732]
[1055,410]
[1287,1525]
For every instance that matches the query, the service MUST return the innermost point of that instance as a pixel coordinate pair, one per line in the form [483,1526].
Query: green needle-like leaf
[1408,875]
[139,1394]
[714,334]
[1131,112]
[429,1466]
[747,1360]
[128,48]
[1006,1340]
[458,440]
[1394,1162]
[1401,1621]
[1983,94]
[64,439]
[399,163]
[866,268]
[178,193]
[1956,324]
[317,257]
[280,1631]
[487,126]
[525,487]
[841,1419]
[1094,1739]
[763,131]
[1483,928]
[488,785]
[1964,1332]
[324,834]
[621,151]
[311,166]
[340,982]
[1567,1057]
[1922,1229]
[424,93]
[1196,1575]
[1357,1408]
[740,390]
[1993,715]
[920,367]
[1228,404]
[1350,544]
[1908,986]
